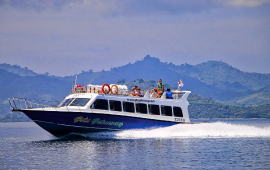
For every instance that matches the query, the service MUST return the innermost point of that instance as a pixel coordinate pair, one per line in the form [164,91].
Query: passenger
[139,93]
[151,95]
[135,91]
[160,89]
[169,94]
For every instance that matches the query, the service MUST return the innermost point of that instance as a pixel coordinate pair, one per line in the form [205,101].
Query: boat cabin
[92,99]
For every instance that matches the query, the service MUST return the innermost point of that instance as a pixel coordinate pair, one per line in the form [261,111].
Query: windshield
[79,102]
[66,102]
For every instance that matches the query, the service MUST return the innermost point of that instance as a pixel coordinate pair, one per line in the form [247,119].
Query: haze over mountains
[212,79]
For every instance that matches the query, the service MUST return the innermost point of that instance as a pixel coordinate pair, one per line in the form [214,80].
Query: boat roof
[146,95]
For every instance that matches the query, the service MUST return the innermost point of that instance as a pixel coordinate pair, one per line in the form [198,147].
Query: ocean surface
[220,144]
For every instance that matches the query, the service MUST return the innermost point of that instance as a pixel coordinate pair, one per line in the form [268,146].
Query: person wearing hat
[169,93]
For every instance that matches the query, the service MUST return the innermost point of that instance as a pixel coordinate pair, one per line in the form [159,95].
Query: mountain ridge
[17,70]
[213,79]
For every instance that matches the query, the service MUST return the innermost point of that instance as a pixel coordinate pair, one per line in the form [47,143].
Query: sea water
[220,144]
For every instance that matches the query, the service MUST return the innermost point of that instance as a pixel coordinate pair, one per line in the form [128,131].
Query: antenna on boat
[72,87]
[76,81]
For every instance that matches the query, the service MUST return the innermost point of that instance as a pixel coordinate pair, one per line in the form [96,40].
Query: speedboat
[96,108]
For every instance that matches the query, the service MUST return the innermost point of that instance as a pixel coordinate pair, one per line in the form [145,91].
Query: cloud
[248,3]
[134,7]
[112,8]
[119,7]
[39,5]
[149,7]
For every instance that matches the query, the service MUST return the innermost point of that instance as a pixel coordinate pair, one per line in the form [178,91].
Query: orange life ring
[105,84]
[78,86]
[116,92]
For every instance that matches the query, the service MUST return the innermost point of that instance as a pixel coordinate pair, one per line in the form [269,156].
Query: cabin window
[128,107]
[66,102]
[115,105]
[141,108]
[166,110]
[100,104]
[153,109]
[177,112]
[79,102]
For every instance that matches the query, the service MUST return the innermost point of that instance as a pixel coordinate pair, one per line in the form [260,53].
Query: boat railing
[126,93]
[182,96]
[22,103]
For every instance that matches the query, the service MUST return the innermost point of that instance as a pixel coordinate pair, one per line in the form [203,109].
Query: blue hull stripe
[95,129]
[62,123]
[87,113]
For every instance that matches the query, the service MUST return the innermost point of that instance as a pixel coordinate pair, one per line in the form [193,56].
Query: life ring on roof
[105,84]
[116,91]
[77,87]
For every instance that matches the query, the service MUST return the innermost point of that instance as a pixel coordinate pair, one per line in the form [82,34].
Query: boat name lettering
[97,121]
[140,100]
[179,119]
[104,122]
[81,119]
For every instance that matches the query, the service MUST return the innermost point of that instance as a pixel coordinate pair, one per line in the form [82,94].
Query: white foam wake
[204,130]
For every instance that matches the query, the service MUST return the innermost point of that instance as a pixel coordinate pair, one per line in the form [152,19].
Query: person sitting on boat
[169,93]
[139,93]
[135,91]
[160,89]
[151,95]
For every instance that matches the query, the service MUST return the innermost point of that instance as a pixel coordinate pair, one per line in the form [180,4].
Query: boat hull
[61,123]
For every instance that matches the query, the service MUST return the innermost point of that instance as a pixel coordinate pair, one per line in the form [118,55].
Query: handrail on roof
[184,95]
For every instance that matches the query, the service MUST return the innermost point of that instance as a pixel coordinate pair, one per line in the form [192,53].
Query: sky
[66,37]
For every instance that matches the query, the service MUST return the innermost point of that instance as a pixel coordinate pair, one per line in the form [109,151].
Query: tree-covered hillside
[201,107]
[213,79]
[221,75]
[17,70]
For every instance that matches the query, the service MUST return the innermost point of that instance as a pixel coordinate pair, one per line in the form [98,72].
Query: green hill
[222,75]
[17,70]
[257,98]
[201,107]
[213,79]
